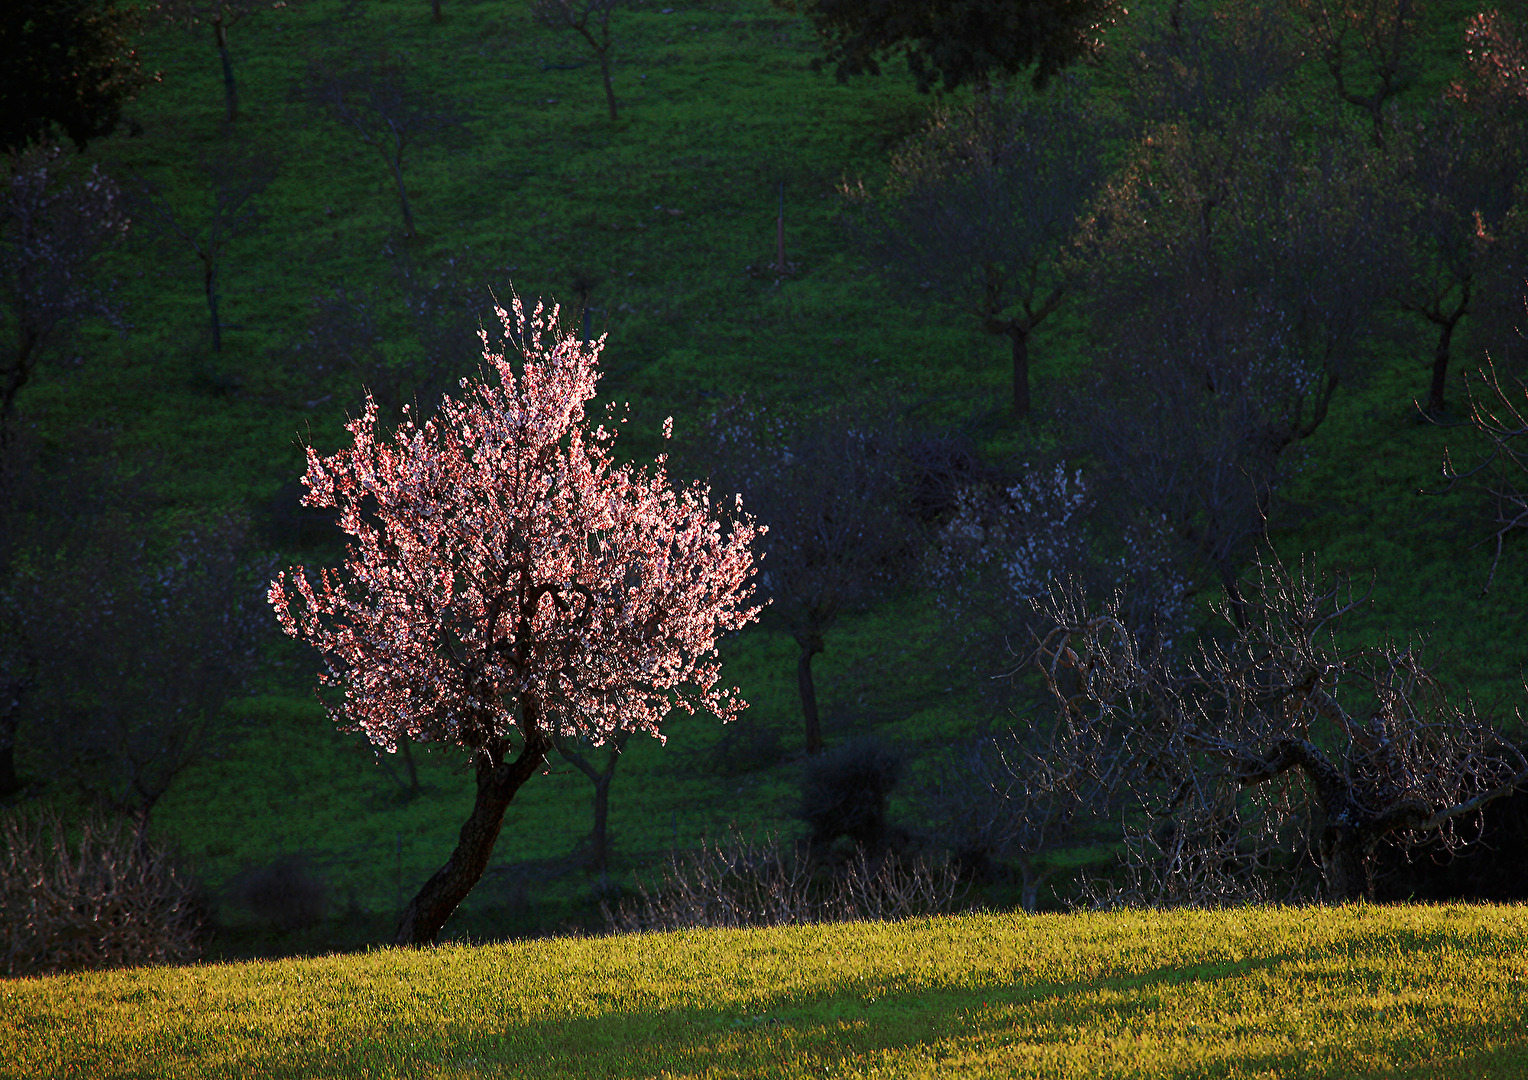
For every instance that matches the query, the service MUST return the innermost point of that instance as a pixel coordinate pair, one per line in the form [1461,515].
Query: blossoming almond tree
[507,581]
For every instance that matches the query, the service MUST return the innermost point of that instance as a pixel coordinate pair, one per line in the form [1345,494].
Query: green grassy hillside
[667,211]
[1351,992]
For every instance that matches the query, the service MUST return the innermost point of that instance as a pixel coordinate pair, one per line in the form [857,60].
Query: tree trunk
[396,161]
[811,645]
[1020,338]
[1029,888]
[9,782]
[210,285]
[230,91]
[1345,850]
[1441,351]
[408,764]
[435,10]
[599,846]
[604,56]
[16,378]
[497,782]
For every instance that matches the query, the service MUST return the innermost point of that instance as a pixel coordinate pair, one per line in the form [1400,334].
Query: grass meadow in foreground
[1332,992]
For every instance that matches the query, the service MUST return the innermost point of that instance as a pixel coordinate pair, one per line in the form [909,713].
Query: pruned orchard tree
[221,16]
[590,20]
[1463,165]
[508,581]
[954,43]
[1237,274]
[235,177]
[373,97]
[599,768]
[408,341]
[56,222]
[1369,48]
[1499,417]
[1273,734]
[982,207]
[831,489]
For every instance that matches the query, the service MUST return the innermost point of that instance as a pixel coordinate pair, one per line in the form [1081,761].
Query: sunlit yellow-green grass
[1365,991]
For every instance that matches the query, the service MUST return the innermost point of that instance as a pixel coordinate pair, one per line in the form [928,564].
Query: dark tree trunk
[435,10]
[403,196]
[408,764]
[609,86]
[1345,849]
[599,844]
[210,285]
[9,782]
[811,645]
[497,782]
[1020,338]
[16,378]
[1441,351]
[230,91]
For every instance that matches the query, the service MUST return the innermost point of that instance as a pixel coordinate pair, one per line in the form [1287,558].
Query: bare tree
[584,756]
[235,177]
[1369,49]
[49,500]
[137,647]
[409,341]
[221,16]
[1499,417]
[590,20]
[1235,276]
[830,487]
[982,207]
[56,222]
[373,96]
[1463,229]
[1463,163]
[1276,729]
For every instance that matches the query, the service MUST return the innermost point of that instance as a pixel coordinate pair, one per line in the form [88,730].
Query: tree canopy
[952,42]
[69,63]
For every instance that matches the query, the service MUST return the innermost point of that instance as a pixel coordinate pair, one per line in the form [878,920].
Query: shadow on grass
[1126,1025]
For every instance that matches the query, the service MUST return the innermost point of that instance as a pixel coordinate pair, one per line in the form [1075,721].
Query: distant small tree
[954,42]
[408,342]
[830,488]
[1236,276]
[1499,419]
[68,63]
[590,20]
[235,177]
[372,96]
[56,222]
[1464,163]
[221,16]
[586,758]
[1209,65]
[137,657]
[1369,48]
[508,581]
[982,208]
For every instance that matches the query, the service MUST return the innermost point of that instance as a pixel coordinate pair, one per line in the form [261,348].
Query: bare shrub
[1272,740]
[738,883]
[109,899]
[284,893]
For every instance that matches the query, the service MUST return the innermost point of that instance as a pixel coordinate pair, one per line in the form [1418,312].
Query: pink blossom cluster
[505,573]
